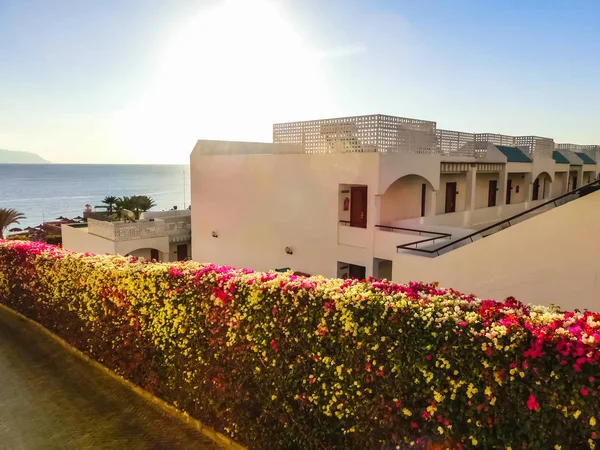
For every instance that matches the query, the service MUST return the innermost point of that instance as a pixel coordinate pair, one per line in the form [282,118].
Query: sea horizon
[45,191]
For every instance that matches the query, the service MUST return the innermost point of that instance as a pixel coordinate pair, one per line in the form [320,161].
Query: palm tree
[143,203]
[9,216]
[136,203]
[110,201]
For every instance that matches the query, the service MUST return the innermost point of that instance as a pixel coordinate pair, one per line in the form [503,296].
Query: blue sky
[138,81]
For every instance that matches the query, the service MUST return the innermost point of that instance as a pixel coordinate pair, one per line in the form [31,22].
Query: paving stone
[51,399]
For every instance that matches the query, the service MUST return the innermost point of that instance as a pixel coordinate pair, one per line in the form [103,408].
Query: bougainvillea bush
[284,362]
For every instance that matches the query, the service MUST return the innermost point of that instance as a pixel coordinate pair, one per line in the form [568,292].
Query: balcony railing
[146,229]
[501,225]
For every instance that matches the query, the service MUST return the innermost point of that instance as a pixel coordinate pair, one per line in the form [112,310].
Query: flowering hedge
[284,362]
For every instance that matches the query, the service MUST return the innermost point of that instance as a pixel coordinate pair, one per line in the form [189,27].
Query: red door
[358,272]
[450,197]
[182,253]
[492,193]
[536,189]
[358,206]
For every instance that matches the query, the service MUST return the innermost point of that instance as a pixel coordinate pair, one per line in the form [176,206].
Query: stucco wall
[397,165]
[460,180]
[402,200]
[259,204]
[518,183]
[559,186]
[537,261]
[126,247]
[482,189]
[79,240]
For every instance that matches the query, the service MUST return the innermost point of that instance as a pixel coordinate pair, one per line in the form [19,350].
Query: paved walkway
[50,399]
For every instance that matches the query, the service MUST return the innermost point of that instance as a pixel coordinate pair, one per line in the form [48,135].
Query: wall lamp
[289,250]
[215,234]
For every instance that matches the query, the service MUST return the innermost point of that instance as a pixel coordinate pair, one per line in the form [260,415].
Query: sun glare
[228,73]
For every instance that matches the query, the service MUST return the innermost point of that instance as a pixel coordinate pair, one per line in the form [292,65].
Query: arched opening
[542,187]
[406,198]
[146,253]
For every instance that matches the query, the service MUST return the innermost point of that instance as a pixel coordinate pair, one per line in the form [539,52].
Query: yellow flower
[407,412]
[592,421]
[440,430]
[473,440]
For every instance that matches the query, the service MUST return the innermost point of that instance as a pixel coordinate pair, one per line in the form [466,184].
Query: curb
[207,431]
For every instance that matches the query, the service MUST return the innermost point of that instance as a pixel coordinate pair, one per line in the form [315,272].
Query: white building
[158,235]
[338,197]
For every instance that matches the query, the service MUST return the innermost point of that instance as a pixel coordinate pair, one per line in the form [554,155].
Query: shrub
[54,239]
[17,237]
[284,362]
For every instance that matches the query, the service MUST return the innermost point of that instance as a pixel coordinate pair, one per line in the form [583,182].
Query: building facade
[336,197]
[159,235]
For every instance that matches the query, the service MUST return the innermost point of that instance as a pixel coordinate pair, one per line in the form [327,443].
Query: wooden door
[493,187]
[182,252]
[423,193]
[154,254]
[358,272]
[358,206]
[536,189]
[508,191]
[450,197]
[574,182]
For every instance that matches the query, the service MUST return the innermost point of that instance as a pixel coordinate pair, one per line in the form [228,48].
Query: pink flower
[428,357]
[583,391]
[532,404]
[274,345]
[462,323]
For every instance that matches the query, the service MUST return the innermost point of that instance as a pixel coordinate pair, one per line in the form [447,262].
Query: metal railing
[414,230]
[594,185]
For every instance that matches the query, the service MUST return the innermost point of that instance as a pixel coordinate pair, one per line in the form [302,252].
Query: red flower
[414,425]
[274,345]
[532,404]
[583,391]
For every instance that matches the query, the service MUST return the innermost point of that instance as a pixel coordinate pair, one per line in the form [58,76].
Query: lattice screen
[359,134]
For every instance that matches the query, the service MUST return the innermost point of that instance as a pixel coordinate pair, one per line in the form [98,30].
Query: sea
[44,192]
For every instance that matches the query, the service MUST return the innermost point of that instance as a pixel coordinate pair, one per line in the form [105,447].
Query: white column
[547,189]
[579,177]
[502,182]
[431,203]
[528,186]
[471,186]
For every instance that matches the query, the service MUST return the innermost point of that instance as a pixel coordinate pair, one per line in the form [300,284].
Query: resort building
[159,235]
[374,195]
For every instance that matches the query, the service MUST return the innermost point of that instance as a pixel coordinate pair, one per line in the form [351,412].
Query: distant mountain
[11,157]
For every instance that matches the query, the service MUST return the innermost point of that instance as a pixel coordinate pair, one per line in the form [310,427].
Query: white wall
[397,165]
[402,200]
[482,187]
[261,203]
[550,258]
[518,183]
[559,186]
[79,240]
[126,247]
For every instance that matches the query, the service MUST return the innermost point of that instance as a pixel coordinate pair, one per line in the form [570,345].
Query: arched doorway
[146,253]
[406,198]
[542,187]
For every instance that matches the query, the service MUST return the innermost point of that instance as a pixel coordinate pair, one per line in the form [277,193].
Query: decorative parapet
[145,229]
